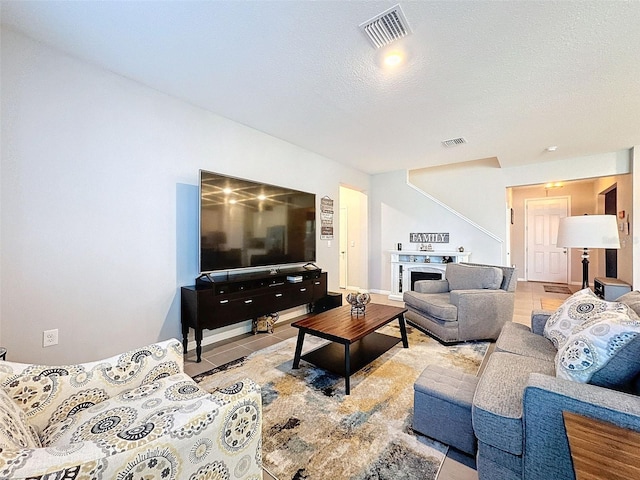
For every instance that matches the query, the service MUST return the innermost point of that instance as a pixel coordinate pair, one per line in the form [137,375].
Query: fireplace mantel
[403,262]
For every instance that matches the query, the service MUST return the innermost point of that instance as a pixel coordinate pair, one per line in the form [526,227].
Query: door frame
[343,243]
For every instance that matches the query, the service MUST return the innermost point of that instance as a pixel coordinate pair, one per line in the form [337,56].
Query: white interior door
[545,261]
[344,242]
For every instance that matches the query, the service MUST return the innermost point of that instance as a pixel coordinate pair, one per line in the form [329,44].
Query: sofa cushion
[15,431]
[473,277]
[578,308]
[497,404]
[171,407]
[60,390]
[608,336]
[632,299]
[519,339]
[436,305]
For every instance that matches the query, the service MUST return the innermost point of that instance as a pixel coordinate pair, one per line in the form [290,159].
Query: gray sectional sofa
[517,409]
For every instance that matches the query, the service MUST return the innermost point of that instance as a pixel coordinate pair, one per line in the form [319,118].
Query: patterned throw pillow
[596,343]
[577,309]
[15,431]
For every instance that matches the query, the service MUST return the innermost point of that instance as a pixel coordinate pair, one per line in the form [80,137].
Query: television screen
[248,224]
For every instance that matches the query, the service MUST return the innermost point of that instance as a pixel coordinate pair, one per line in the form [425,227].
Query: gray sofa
[472,302]
[518,403]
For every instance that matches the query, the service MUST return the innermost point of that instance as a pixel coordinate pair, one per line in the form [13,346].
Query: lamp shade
[588,231]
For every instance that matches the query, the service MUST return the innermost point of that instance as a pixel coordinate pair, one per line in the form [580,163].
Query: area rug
[311,430]
[557,289]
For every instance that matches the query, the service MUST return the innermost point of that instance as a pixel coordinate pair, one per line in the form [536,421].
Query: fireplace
[409,266]
[415,276]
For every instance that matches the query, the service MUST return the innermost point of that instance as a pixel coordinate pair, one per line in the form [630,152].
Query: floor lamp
[588,231]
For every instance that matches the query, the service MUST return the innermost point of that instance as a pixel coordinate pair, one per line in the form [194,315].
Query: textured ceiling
[510,77]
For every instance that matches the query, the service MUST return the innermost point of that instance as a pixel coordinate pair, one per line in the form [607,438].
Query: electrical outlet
[50,337]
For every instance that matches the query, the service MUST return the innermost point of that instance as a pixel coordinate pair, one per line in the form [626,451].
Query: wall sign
[429,238]
[326,218]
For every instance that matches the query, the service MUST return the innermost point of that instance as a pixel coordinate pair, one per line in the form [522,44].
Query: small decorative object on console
[264,324]
[358,302]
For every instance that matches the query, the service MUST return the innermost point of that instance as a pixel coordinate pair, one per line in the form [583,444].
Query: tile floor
[457,466]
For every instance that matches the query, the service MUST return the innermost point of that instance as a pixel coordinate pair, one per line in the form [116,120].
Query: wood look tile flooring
[457,466]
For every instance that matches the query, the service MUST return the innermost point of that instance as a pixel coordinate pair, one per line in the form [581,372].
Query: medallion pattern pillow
[592,345]
[577,309]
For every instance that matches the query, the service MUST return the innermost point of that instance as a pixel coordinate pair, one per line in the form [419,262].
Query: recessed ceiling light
[393,59]
[552,148]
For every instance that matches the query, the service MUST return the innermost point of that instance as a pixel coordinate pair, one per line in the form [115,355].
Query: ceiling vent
[453,142]
[383,29]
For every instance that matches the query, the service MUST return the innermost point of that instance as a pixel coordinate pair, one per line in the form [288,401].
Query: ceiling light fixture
[552,148]
[393,59]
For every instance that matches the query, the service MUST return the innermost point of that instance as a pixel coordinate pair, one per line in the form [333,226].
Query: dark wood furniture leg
[296,358]
[347,369]
[198,345]
[185,335]
[403,331]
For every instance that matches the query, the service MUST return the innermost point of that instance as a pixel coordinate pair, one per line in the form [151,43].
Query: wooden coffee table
[355,342]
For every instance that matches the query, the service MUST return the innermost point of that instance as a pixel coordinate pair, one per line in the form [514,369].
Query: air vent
[453,142]
[383,29]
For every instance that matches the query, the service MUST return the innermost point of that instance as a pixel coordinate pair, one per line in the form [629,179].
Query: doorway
[354,239]
[611,254]
[545,261]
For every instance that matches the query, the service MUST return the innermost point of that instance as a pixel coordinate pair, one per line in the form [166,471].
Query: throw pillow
[578,308]
[632,299]
[592,345]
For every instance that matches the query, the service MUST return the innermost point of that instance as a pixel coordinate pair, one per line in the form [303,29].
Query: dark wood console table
[231,299]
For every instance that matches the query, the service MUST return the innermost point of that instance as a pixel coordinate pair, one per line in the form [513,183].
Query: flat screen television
[247,224]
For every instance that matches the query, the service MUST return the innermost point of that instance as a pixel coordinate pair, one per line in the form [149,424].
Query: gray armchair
[472,302]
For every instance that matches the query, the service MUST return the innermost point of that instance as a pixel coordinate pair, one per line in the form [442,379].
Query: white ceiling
[511,77]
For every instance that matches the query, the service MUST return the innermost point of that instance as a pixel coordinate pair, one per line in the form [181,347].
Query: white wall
[99,202]
[635,237]
[397,209]
[477,195]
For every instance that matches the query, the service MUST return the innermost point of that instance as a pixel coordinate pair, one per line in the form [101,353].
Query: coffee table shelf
[331,356]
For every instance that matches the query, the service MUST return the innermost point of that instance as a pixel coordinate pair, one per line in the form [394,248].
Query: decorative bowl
[358,302]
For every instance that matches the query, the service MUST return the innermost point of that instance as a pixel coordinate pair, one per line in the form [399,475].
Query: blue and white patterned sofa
[135,415]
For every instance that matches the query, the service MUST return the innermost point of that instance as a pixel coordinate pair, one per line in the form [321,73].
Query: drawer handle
[316,283]
[278,295]
[248,301]
[276,284]
[303,289]
[224,301]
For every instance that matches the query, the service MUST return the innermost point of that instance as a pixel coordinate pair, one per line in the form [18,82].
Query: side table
[602,450]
